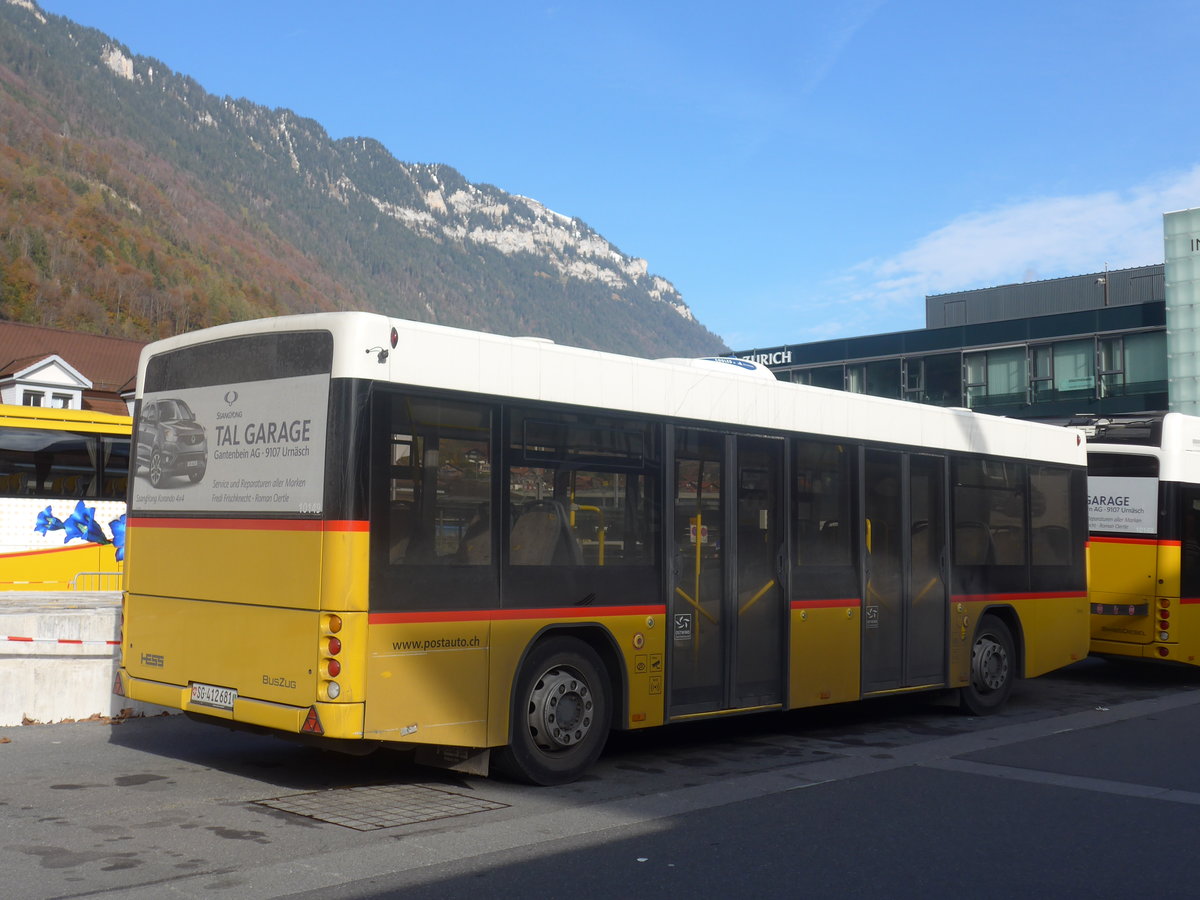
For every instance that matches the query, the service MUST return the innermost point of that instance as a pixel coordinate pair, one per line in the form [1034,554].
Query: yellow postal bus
[63,477]
[495,550]
[1144,518]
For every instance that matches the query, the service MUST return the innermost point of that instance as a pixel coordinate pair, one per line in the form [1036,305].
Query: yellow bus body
[1132,575]
[427,675]
[825,648]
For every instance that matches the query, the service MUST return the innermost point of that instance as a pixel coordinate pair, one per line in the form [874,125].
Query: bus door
[905,597]
[728,623]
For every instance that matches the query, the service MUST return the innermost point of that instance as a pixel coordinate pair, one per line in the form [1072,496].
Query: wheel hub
[990,664]
[560,709]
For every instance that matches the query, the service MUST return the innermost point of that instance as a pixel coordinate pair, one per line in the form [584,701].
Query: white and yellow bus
[495,550]
[63,477]
[1144,518]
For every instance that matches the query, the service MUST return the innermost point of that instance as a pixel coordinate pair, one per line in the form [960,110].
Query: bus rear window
[260,357]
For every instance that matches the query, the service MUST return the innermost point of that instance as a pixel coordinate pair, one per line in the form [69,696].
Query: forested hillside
[134,203]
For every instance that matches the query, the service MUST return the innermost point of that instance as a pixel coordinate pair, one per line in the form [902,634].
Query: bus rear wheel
[993,668]
[561,714]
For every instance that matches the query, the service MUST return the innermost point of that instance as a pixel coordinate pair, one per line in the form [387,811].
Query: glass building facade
[1050,350]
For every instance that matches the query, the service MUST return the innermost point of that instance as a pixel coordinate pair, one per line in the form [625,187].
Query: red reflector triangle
[312,724]
[118,689]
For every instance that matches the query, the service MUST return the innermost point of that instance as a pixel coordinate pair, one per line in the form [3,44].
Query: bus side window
[989,513]
[439,483]
[581,491]
[821,504]
[1050,506]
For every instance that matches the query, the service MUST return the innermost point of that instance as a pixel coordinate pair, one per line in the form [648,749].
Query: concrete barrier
[59,654]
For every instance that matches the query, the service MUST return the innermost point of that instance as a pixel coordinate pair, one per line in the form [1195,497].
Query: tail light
[331,646]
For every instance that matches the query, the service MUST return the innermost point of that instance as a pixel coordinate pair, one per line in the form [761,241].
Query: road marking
[1078,782]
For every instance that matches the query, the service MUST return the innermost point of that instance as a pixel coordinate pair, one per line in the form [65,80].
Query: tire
[993,668]
[156,469]
[561,714]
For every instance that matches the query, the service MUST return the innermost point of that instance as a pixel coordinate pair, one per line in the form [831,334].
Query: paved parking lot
[859,798]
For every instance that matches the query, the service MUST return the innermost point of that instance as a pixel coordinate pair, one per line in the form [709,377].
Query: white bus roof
[1178,450]
[473,362]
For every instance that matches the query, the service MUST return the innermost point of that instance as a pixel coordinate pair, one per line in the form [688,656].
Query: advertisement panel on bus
[233,448]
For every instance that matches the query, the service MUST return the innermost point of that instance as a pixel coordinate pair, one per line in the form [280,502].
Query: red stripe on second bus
[497,615]
[1008,598]
[255,524]
[1140,541]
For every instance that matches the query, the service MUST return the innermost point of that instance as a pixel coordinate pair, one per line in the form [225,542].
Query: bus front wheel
[993,668]
[561,714]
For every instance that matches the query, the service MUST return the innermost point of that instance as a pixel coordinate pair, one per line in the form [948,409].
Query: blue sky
[799,170]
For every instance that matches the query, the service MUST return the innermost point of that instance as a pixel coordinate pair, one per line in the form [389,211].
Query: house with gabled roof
[67,369]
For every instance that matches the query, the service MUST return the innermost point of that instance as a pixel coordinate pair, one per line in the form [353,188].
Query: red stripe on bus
[1183,600]
[494,615]
[1117,540]
[821,604]
[1005,598]
[85,546]
[255,524]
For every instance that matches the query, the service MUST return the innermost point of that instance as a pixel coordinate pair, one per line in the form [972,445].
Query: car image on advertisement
[170,441]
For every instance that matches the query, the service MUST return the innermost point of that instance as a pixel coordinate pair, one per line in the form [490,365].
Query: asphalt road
[1085,785]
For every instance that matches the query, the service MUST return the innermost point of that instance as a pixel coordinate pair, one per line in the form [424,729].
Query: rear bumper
[338,720]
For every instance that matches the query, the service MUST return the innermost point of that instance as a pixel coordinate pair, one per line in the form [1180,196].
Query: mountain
[133,202]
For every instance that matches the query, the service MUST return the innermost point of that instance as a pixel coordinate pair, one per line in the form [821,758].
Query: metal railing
[96,581]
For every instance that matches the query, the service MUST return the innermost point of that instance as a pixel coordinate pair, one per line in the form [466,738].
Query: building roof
[109,362]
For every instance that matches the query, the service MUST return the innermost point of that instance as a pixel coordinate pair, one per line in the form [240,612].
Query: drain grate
[381,806]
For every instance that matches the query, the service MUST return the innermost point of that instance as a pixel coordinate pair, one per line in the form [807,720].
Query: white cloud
[1030,240]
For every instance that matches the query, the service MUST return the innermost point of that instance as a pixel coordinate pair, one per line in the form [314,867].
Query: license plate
[211,695]
[193,463]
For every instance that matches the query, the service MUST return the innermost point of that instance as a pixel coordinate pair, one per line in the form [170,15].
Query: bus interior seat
[972,544]
[67,486]
[475,548]
[1008,545]
[542,536]
[1051,545]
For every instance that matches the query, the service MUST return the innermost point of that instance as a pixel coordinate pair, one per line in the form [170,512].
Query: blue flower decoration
[117,527]
[46,521]
[82,524]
